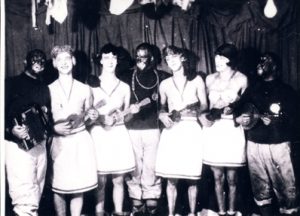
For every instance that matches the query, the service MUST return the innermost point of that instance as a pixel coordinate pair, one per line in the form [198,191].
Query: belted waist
[188,118]
[119,123]
[229,117]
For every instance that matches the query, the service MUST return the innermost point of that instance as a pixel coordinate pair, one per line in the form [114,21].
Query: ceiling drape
[205,26]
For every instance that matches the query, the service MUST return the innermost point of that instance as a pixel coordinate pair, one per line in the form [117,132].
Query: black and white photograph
[150,107]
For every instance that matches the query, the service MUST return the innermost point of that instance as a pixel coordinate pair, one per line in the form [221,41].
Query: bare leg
[151,206]
[100,194]
[118,192]
[192,194]
[232,179]
[76,204]
[171,195]
[60,204]
[219,176]
[137,206]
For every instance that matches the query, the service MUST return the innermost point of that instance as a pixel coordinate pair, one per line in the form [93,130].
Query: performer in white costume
[72,150]
[112,141]
[179,153]
[224,147]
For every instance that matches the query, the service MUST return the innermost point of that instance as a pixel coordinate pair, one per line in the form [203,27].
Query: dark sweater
[147,118]
[282,126]
[21,92]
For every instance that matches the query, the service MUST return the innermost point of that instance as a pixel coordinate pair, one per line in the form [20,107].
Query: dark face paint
[266,67]
[38,60]
[143,59]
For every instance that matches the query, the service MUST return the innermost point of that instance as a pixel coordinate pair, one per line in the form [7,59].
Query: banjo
[255,115]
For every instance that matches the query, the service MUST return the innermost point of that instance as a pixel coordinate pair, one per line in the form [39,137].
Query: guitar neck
[191,106]
[142,103]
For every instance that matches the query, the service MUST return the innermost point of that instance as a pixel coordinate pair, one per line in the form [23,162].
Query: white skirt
[74,163]
[179,152]
[224,144]
[114,152]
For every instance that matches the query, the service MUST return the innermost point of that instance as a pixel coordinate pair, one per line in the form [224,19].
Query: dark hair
[229,51]
[109,48]
[173,50]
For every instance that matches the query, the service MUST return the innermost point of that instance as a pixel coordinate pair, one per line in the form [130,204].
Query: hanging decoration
[118,7]
[183,4]
[57,9]
[33,13]
[155,9]
[270,9]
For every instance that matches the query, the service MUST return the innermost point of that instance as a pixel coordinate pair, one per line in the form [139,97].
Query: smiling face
[109,62]
[221,63]
[64,62]
[174,61]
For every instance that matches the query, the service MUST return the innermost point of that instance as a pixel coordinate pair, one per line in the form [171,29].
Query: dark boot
[138,214]
[266,210]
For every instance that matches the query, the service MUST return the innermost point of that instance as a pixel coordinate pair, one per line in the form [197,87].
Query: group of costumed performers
[145,126]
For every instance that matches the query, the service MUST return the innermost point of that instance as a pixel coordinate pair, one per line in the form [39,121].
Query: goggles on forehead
[142,58]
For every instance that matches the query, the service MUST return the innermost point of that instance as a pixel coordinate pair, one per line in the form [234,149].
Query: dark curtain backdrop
[208,24]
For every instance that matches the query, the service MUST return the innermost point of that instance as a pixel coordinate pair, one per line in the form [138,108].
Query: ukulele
[255,115]
[76,119]
[118,115]
[175,115]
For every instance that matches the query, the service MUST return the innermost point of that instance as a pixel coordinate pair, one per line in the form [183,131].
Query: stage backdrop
[200,29]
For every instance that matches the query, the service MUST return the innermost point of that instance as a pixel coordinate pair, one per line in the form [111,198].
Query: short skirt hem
[116,171]
[62,191]
[178,176]
[224,164]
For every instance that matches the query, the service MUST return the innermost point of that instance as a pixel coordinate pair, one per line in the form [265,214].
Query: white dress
[180,151]
[73,156]
[224,143]
[113,146]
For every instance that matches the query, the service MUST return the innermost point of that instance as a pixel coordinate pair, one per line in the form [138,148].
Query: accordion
[37,122]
